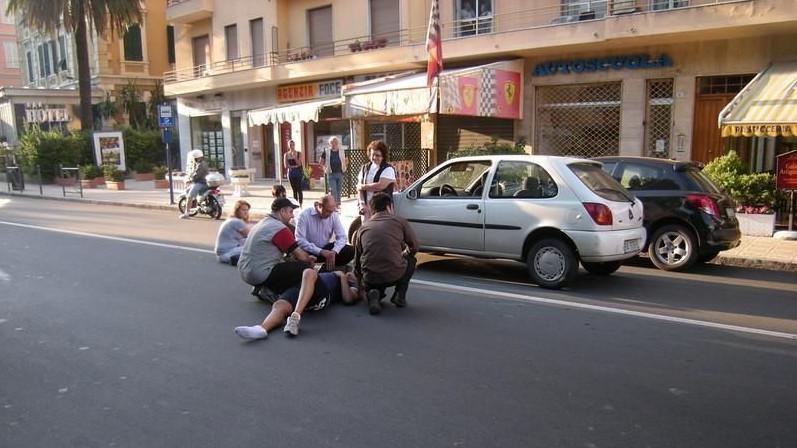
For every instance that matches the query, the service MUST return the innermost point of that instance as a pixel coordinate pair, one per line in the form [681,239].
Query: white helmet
[196,154]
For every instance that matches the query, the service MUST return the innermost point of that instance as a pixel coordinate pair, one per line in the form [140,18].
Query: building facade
[138,57]
[567,77]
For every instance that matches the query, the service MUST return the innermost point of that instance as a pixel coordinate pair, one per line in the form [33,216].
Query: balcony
[512,33]
[188,11]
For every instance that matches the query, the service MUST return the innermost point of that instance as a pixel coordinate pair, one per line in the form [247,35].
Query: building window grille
[396,135]
[658,117]
[580,120]
[722,85]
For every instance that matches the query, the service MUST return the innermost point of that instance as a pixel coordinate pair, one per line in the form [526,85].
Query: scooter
[210,203]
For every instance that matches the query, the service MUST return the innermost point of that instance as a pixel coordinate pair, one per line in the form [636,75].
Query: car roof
[676,165]
[525,157]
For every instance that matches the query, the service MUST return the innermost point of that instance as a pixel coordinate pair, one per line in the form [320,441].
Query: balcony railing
[526,19]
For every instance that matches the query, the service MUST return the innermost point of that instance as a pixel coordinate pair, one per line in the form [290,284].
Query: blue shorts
[322,296]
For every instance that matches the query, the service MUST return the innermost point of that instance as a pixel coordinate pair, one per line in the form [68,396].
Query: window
[600,183]
[574,10]
[526,180]
[667,4]
[53,55]
[658,117]
[258,42]
[132,44]
[462,179]
[645,177]
[63,62]
[722,85]
[473,17]
[201,47]
[44,60]
[170,44]
[319,22]
[231,40]
[385,21]
[29,58]
[10,52]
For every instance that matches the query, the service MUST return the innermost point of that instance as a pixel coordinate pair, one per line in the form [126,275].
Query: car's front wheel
[673,248]
[605,268]
[552,263]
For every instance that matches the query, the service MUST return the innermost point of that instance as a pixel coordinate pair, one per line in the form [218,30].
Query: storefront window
[473,17]
[581,120]
[206,134]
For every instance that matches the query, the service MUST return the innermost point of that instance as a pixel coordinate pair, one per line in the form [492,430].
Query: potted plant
[143,171]
[754,193]
[114,179]
[159,172]
[88,175]
[307,181]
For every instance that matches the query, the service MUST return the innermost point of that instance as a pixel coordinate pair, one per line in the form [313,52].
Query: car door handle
[473,206]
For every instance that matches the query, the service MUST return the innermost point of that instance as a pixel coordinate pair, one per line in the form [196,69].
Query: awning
[766,107]
[304,111]
[402,94]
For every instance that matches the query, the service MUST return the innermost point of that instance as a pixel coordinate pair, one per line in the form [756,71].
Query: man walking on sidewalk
[385,250]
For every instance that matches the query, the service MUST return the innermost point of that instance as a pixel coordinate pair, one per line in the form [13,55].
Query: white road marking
[106,237]
[585,306]
[469,290]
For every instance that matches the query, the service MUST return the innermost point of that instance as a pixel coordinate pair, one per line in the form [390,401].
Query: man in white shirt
[320,232]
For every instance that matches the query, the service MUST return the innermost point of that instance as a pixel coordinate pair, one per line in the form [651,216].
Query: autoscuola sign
[635,61]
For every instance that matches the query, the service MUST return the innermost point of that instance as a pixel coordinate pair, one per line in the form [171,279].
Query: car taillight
[600,213]
[704,204]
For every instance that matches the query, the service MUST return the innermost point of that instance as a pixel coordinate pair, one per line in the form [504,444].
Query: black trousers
[285,275]
[402,284]
[344,257]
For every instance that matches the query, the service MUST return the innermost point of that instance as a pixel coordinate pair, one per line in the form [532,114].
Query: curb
[756,263]
[92,201]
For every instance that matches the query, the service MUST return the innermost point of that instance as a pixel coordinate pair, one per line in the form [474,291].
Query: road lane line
[107,237]
[606,309]
[466,289]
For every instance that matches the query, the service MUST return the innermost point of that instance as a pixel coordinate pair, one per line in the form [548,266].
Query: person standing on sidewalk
[262,263]
[293,163]
[335,166]
[385,254]
[316,226]
[375,176]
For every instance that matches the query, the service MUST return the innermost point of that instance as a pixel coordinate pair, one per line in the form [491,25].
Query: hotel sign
[636,61]
[309,91]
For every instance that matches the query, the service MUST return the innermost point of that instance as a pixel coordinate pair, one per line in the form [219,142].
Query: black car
[688,218]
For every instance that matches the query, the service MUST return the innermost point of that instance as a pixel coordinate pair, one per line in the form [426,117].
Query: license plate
[731,212]
[630,246]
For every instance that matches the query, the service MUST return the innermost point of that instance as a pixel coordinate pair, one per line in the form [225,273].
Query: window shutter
[385,20]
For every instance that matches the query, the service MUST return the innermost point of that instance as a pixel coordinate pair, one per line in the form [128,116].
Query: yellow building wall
[157,51]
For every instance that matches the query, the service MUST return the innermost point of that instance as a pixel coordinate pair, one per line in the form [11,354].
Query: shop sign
[309,91]
[46,114]
[759,130]
[492,90]
[787,171]
[636,61]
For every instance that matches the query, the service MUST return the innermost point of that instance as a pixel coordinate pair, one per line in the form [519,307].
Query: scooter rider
[196,175]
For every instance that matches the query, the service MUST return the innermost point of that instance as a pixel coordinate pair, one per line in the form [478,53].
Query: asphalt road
[113,342]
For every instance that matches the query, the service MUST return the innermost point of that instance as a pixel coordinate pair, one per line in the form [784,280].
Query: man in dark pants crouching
[385,248]
[262,263]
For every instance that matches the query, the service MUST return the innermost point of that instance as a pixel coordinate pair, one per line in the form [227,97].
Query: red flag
[434,45]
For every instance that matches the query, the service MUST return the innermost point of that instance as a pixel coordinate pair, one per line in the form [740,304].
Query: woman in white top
[377,175]
[232,234]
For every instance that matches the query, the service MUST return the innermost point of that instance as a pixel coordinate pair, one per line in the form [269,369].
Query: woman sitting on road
[317,291]
[232,234]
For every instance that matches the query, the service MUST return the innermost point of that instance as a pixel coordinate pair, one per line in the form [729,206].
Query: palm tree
[106,17]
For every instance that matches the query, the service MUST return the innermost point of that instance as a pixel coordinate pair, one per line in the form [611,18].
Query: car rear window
[697,181]
[600,183]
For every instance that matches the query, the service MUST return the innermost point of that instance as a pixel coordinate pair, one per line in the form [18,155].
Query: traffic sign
[165,117]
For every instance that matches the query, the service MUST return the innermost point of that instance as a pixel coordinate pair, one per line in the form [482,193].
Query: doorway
[713,94]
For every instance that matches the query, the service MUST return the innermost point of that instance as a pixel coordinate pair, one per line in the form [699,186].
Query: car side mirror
[412,194]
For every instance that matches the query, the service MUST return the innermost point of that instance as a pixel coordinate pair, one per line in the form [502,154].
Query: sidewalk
[754,252]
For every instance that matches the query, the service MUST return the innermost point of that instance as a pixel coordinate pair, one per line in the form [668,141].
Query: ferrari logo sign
[468,95]
[509,91]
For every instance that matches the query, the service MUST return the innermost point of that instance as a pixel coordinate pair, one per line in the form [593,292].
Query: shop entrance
[713,94]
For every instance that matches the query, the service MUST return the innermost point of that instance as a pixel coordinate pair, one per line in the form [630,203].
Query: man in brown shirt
[385,248]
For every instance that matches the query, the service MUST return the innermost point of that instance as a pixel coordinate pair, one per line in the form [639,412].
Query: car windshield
[697,181]
[600,183]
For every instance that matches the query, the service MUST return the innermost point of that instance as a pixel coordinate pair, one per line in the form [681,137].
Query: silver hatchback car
[549,212]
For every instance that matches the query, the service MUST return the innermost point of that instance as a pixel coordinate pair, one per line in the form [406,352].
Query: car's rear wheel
[552,263]
[605,268]
[673,248]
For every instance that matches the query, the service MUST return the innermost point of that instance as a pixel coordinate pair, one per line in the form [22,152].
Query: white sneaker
[292,326]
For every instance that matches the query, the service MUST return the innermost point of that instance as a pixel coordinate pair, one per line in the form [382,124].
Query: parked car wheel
[552,263]
[673,248]
[605,268]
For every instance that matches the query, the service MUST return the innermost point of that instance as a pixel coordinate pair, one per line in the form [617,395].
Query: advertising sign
[109,148]
[165,117]
[787,171]
[492,90]
[309,91]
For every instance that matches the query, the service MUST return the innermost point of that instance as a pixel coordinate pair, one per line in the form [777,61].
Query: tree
[106,17]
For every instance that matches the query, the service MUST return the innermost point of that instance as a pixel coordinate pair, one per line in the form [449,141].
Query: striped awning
[295,112]
[766,107]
